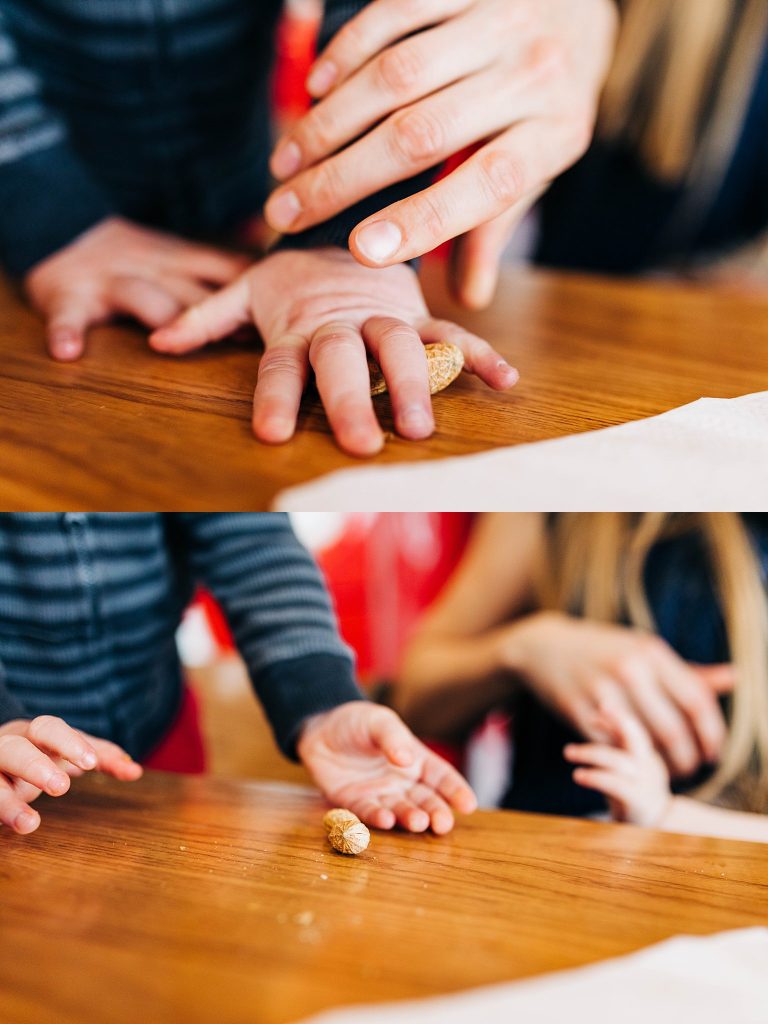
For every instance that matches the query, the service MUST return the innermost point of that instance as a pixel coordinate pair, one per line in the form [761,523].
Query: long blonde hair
[595,566]
[680,86]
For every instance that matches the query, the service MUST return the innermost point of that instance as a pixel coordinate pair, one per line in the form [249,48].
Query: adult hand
[363,757]
[577,665]
[320,308]
[120,269]
[41,755]
[405,85]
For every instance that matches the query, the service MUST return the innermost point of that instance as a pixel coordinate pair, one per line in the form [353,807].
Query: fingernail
[379,241]
[26,822]
[88,760]
[416,423]
[56,782]
[508,371]
[65,344]
[286,159]
[275,430]
[282,209]
[321,77]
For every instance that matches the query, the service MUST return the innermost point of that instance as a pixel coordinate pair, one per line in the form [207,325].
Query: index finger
[55,736]
[375,27]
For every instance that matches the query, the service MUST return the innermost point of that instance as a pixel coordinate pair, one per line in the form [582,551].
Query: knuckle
[336,337]
[277,361]
[398,333]
[319,133]
[547,59]
[328,185]
[399,68]
[418,136]
[433,216]
[503,177]
[39,726]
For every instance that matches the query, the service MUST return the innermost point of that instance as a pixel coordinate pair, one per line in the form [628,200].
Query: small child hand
[121,269]
[364,758]
[41,755]
[632,774]
[321,308]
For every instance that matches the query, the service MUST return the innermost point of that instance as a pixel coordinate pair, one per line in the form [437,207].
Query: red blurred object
[295,48]
[382,574]
[182,749]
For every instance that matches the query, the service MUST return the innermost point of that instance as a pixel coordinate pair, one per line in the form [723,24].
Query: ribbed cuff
[292,691]
[49,198]
[10,708]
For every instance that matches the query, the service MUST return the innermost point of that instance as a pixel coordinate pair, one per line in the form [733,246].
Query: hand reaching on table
[40,755]
[120,269]
[630,774]
[364,758]
[321,308]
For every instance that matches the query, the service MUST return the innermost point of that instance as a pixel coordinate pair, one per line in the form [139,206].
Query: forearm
[691,816]
[447,684]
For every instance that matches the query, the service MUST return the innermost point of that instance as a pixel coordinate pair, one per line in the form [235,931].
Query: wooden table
[127,429]
[184,900]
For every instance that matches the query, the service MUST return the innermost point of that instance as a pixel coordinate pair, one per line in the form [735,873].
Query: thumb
[720,679]
[393,738]
[68,319]
[210,320]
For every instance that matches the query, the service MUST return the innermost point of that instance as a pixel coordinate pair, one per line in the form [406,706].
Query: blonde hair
[595,566]
[680,86]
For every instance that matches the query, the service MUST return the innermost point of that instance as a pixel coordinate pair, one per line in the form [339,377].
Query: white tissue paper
[712,980]
[710,455]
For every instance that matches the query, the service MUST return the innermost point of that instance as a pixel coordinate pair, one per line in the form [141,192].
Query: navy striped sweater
[89,605]
[157,110]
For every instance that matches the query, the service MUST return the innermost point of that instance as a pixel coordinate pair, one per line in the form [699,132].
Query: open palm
[363,757]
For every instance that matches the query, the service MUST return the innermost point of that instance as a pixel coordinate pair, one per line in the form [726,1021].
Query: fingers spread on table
[480,358]
[440,816]
[21,759]
[398,350]
[337,355]
[55,736]
[448,783]
[281,381]
[211,320]
[14,813]
[69,316]
[114,761]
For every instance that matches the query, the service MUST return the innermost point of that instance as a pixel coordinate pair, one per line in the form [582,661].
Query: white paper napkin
[720,979]
[710,455]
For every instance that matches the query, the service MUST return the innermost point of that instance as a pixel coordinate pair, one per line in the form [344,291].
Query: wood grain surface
[127,429]
[183,900]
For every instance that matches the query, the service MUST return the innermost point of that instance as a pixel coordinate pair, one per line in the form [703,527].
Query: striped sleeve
[337,230]
[280,613]
[49,197]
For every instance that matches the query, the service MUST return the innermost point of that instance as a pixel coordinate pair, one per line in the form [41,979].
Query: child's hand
[364,758]
[40,756]
[322,308]
[632,775]
[120,269]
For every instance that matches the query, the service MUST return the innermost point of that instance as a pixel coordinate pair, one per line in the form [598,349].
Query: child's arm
[634,778]
[361,755]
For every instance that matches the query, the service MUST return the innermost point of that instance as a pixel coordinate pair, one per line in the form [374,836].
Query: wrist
[517,645]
